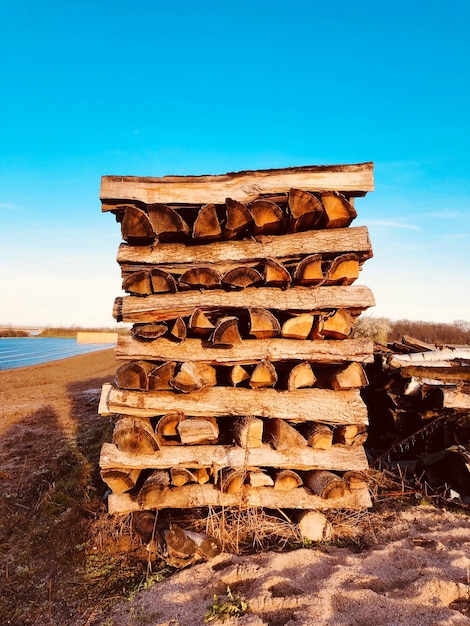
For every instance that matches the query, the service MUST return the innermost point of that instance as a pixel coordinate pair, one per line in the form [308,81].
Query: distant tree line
[9,332]
[383,330]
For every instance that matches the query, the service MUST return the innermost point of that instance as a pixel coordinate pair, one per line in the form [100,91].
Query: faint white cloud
[392,224]
[445,214]
[7,206]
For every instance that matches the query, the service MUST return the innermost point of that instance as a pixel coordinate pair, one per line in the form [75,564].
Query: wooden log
[352,376]
[232,480]
[181,476]
[282,436]
[200,278]
[202,474]
[178,330]
[318,436]
[309,271]
[248,432]
[193,377]
[194,496]
[136,228]
[120,480]
[206,226]
[338,212]
[134,375]
[138,284]
[200,324]
[134,435]
[226,332]
[159,377]
[196,430]
[314,526]
[206,545]
[305,210]
[287,479]
[245,186]
[144,523]
[451,375]
[263,324]
[238,219]
[162,281]
[344,270]
[275,274]
[355,480]
[264,375]
[316,405]
[249,351]
[268,219]
[167,223]
[167,425]
[325,484]
[456,398]
[153,487]
[416,344]
[301,375]
[259,478]
[434,358]
[242,277]
[149,332]
[217,456]
[338,325]
[298,327]
[350,434]
[292,247]
[238,374]
[178,544]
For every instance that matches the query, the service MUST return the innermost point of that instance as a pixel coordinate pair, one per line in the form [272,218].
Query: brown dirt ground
[64,561]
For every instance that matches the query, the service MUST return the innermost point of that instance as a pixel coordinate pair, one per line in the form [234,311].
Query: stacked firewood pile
[239,383]
[419,408]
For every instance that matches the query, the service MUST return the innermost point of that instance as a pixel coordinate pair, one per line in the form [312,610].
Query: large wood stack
[239,384]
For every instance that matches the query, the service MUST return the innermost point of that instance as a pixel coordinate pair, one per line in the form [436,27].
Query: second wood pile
[239,384]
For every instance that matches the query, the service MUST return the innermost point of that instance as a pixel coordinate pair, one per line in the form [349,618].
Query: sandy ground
[416,571]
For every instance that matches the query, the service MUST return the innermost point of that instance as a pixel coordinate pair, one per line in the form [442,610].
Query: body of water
[23,351]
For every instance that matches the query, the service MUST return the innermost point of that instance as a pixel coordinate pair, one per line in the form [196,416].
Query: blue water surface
[23,351]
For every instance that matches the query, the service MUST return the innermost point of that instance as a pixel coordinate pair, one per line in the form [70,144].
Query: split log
[206,545]
[282,436]
[200,324]
[148,332]
[238,374]
[178,544]
[246,186]
[338,212]
[325,484]
[268,219]
[275,274]
[352,376]
[287,479]
[160,377]
[456,398]
[309,271]
[447,375]
[194,496]
[319,436]
[314,526]
[167,425]
[298,327]
[156,483]
[207,226]
[305,210]
[178,330]
[338,325]
[217,456]
[134,435]
[238,219]
[355,480]
[259,479]
[167,223]
[134,375]
[232,480]
[248,432]
[197,430]
[301,376]
[263,324]
[120,480]
[344,270]
[292,247]
[417,345]
[264,375]
[144,523]
[181,476]
[138,284]
[193,377]
[316,405]
[350,434]
[200,278]
[434,358]
[162,281]
[226,332]
[136,228]
[202,475]
[242,277]
[249,351]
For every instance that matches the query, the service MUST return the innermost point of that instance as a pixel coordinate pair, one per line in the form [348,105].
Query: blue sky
[148,88]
